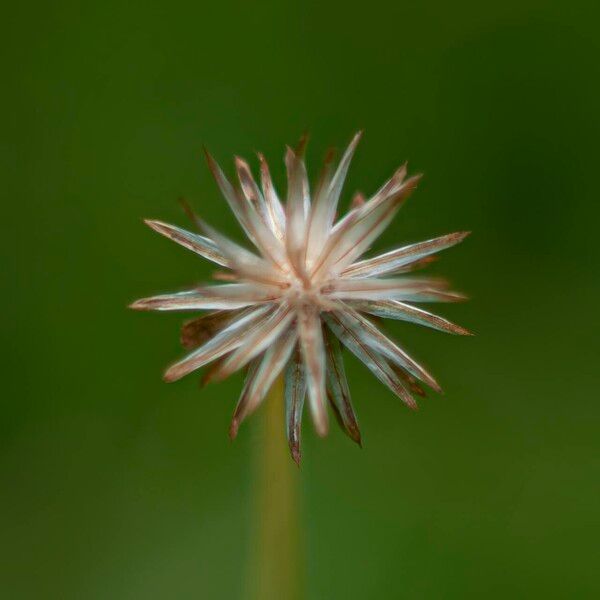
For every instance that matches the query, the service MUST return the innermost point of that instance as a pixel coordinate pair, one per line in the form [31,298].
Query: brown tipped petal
[245,213]
[371,223]
[295,392]
[372,336]
[338,391]
[391,262]
[224,341]
[295,215]
[313,354]
[393,309]
[360,288]
[325,206]
[376,363]
[199,244]
[237,418]
[433,295]
[218,297]
[271,364]
[252,192]
[274,208]
[358,200]
[257,341]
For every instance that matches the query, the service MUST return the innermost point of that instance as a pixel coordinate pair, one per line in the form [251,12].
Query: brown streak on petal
[226,276]
[197,331]
[302,143]
[358,200]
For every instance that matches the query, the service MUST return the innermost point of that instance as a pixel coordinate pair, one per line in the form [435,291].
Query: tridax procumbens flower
[287,305]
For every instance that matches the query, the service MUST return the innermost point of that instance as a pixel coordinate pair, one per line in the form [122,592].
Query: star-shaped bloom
[304,292]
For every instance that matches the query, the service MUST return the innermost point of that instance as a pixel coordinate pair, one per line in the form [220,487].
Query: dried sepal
[294,393]
[338,391]
[196,332]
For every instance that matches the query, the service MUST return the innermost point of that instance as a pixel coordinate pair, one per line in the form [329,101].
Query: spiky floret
[287,306]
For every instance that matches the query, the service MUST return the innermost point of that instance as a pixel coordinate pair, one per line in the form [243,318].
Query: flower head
[304,292]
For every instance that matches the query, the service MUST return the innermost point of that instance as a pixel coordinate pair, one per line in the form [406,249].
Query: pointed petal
[209,373]
[411,383]
[274,208]
[295,214]
[302,143]
[251,191]
[326,202]
[189,212]
[257,341]
[244,262]
[324,180]
[270,365]
[393,309]
[391,186]
[381,289]
[372,220]
[355,232]
[216,297]
[433,295]
[255,229]
[358,200]
[223,342]
[295,392]
[313,354]
[199,244]
[392,261]
[376,363]
[228,192]
[373,337]
[338,391]
[250,378]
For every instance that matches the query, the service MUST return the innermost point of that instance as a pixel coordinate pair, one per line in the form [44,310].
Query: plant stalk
[276,559]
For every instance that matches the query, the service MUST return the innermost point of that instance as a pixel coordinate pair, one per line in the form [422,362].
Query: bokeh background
[116,485]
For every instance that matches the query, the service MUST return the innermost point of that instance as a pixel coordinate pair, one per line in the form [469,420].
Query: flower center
[302,292]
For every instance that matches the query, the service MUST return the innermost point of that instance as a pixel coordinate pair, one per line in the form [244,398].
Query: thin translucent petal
[250,378]
[376,289]
[393,309]
[359,225]
[223,342]
[432,295]
[388,188]
[271,364]
[217,297]
[338,391]
[295,392]
[255,342]
[376,363]
[275,210]
[373,337]
[325,205]
[251,190]
[392,261]
[313,354]
[295,215]
[199,244]
[244,262]
[371,223]
[255,229]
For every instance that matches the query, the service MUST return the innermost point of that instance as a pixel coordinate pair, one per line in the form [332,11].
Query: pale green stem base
[275,560]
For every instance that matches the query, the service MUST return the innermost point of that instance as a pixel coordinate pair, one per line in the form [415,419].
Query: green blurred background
[116,485]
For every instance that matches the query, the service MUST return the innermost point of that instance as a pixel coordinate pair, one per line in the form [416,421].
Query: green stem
[276,561]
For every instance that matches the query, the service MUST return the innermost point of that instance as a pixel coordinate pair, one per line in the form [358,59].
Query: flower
[305,293]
